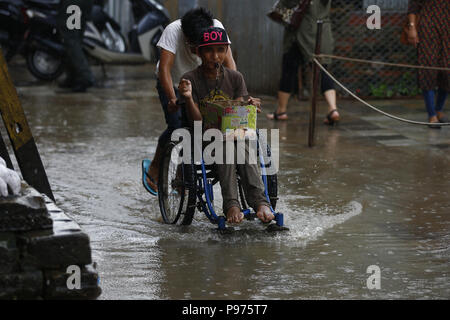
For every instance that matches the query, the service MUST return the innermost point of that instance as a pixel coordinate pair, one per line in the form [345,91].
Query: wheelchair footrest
[251,216]
[273,227]
[226,230]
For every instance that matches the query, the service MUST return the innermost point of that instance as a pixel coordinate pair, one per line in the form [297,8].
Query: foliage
[406,86]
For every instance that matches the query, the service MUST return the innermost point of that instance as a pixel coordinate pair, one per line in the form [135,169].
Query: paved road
[373,191]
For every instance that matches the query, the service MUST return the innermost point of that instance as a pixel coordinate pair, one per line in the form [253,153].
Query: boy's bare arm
[192,109]
[165,77]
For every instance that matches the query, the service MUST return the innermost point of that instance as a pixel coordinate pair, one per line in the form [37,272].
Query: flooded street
[373,192]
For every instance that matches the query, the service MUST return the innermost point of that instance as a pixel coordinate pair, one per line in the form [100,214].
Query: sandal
[433,125]
[329,120]
[276,116]
[444,119]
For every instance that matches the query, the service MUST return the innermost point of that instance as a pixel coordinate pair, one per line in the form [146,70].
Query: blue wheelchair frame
[206,187]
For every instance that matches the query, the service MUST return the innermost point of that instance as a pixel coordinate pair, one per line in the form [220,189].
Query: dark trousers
[173,120]
[289,72]
[77,66]
[250,177]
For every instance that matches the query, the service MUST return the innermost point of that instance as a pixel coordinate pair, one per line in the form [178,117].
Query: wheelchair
[184,188]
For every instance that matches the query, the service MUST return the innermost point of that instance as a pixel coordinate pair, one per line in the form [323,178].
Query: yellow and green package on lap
[229,115]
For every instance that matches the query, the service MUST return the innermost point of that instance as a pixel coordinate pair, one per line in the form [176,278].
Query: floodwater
[372,192]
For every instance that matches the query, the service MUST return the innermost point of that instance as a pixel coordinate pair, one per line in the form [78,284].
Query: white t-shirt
[173,40]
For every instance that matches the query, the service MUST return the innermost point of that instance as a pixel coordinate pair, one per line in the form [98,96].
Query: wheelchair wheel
[272,181]
[272,190]
[176,187]
[272,186]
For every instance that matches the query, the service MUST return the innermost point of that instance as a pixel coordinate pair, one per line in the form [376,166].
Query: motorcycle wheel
[44,65]
[115,42]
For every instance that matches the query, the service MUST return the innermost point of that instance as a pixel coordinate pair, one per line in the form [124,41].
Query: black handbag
[289,17]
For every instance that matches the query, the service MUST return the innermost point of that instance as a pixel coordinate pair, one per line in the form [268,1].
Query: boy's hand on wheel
[185,88]
[255,102]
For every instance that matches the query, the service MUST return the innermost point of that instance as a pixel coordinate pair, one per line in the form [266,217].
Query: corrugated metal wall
[256,41]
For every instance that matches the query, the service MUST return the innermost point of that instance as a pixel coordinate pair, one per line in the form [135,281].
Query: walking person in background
[431,38]
[298,48]
[78,73]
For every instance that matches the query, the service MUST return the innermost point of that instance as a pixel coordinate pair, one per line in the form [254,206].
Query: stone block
[9,254]
[23,285]
[24,212]
[54,250]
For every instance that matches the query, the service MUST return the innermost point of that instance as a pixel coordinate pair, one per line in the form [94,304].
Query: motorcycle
[151,19]
[43,48]
[32,33]
[12,27]
[105,29]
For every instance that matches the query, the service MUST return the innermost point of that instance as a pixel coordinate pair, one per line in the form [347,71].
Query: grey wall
[256,42]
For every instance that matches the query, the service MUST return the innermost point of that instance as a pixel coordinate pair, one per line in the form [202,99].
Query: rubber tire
[37,73]
[189,183]
[244,204]
[272,190]
[121,38]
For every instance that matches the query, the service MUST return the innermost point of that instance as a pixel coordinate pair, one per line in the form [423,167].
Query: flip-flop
[330,120]
[145,166]
[276,116]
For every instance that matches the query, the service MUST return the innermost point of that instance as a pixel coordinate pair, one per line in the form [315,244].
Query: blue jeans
[174,120]
[432,103]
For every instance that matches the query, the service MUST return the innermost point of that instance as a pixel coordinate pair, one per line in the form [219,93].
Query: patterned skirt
[434,42]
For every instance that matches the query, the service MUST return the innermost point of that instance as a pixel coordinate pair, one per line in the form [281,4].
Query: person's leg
[254,187]
[174,121]
[289,73]
[84,69]
[66,34]
[440,102]
[300,82]
[428,54]
[226,173]
[283,100]
[79,71]
[329,92]
[430,104]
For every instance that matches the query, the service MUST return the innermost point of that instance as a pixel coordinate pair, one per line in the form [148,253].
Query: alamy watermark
[74,21]
[374,280]
[374,21]
[234,147]
[74,279]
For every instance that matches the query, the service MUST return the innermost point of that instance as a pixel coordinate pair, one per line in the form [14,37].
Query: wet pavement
[372,192]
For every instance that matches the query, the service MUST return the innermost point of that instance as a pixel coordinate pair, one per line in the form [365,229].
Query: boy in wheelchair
[211,81]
